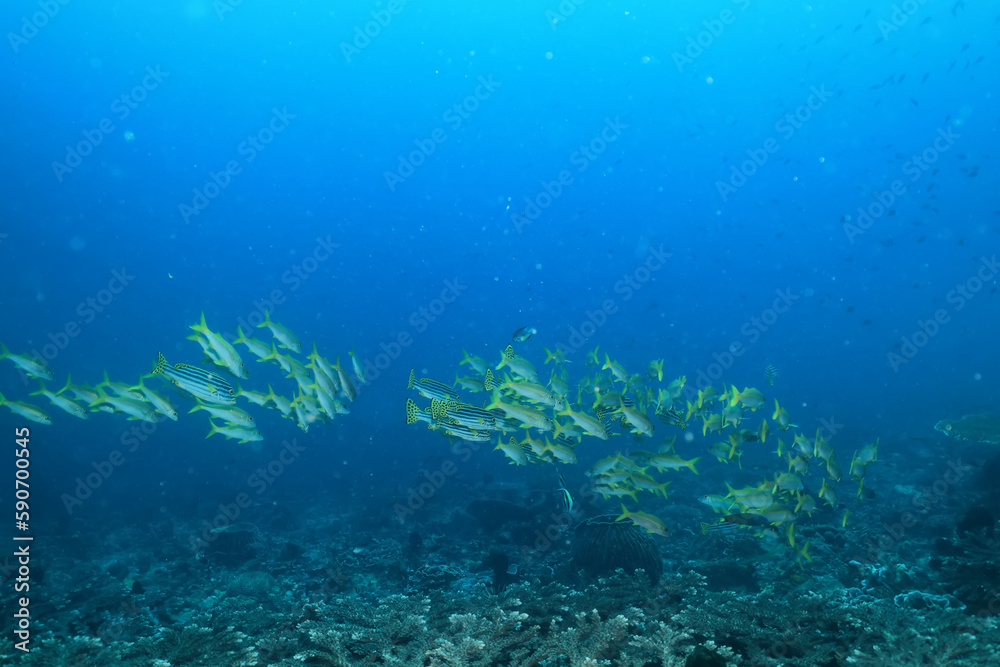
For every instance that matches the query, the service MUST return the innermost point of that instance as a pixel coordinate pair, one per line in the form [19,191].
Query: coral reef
[450,592]
[601,545]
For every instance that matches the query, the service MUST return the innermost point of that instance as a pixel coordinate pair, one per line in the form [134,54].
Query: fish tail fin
[101,398]
[69,383]
[212,430]
[161,363]
[704,528]
[411,411]
[4,352]
[409,383]
[273,355]
[267,319]
[690,464]
[202,326]
[41,389]
[2,399]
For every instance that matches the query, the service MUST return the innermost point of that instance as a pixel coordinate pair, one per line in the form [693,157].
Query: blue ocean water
[719,185]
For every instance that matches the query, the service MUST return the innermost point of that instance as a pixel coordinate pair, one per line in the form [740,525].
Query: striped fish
[200,383]
[770,372]
[429,388]
[461,432]
[414,414]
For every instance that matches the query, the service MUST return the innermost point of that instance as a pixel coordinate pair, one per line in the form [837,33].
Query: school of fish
[534,423]
[323,389]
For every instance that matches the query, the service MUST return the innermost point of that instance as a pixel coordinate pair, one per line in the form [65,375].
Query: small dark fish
[770,372]
[524,333]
